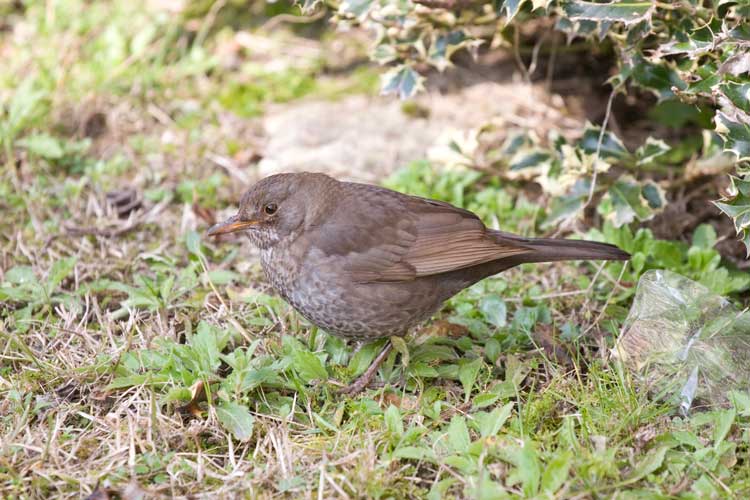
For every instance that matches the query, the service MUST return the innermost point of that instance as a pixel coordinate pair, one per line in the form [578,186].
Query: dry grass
[116,313]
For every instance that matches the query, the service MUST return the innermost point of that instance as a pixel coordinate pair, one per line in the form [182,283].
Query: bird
[364,262]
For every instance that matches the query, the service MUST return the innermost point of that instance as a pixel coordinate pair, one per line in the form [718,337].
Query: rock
[366,138]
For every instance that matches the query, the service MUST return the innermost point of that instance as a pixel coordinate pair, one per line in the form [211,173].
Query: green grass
[135,356]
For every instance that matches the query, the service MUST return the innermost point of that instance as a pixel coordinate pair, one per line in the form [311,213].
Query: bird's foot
[364,380]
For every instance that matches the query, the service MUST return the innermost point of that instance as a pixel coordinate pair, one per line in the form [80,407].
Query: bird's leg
[364,380]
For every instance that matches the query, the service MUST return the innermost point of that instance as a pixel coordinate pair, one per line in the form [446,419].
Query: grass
[138,358]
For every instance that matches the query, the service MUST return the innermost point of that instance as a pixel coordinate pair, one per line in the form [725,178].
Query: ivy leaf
[236,419]
[403,81]
[736,205]
[632,200]
[626,12]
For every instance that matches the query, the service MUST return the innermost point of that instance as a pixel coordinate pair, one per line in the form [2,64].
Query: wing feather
[398,237]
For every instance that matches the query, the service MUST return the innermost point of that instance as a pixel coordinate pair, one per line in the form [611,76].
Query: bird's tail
[555,249]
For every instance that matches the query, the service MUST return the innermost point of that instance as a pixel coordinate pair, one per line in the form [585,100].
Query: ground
[140,359]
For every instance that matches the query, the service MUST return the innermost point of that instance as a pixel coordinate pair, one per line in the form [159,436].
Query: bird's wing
[388,236]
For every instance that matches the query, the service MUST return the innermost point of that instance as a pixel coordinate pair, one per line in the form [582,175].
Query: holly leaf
[403,81]
[631,200]
[626,12]
[736,205]
[736,136]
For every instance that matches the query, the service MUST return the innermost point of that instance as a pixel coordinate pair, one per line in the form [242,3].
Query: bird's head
[278,206]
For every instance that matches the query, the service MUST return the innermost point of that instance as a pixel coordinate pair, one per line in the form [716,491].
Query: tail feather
[556,249]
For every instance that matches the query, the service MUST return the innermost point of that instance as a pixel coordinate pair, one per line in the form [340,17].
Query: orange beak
[230,225]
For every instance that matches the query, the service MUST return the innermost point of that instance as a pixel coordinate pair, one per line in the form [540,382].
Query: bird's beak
[230,225]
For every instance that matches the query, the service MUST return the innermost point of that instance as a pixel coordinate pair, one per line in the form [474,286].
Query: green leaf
[511,8]
[393,421]
[704,236]
[633,201]
[207,344]
[736,136]
[365,356]
[491,423]
[651,150]
[611,145]
[21,275]
[43,145]
[60,270]
[627,12]
[494,310]
[458,434]
[414,453]
[236,419]
[403,81]
[193,242]
[736,205]
[467,374]
[399,345]
[556,471]
[724,420]
[738,94]
[648,465]
[308,366]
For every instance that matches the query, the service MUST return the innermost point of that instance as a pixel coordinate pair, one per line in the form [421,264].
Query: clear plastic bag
[684,342]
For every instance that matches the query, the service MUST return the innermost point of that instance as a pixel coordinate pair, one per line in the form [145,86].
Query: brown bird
[364,262]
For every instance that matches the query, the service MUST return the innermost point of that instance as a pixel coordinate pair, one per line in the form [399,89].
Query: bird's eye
[270,208]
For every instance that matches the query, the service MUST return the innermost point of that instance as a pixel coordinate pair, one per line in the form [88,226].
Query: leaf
[308,366]
[458,434]
[236,419]
[364,356]
[568,205]
[704,236]
[21,275]
[355,8]
[649,464]
[43,145]
[627,12]
[511,8]
[491,423]
[736,136]
[193,242]
[467,374]
[527,467]
[651,150]
[207,344]
[723,423]
[223,276]
[736,205]
[60,270]
[494,310]
[556,471]
[611,145]
[414,453]
[402,80]
[399,344]
[738,94]
[659,78]
[632,200]
[393,421]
